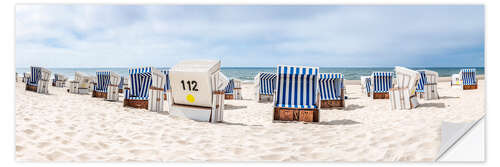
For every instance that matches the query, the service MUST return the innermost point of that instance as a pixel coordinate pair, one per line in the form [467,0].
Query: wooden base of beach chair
[135,103]
[120,90]
[53,84]
[380,95]
[31,88]
[469,87]
[332,103]
[420,95]
[99,94]
[290,114]
[228,96]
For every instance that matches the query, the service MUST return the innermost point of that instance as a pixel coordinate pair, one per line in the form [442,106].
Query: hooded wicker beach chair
[265,84]
[197,88]
[297,95]
[107,85]
[427,85]
[468,78]
[146,89]
[403,93]
[80,84]
[59,80]
[380,84]
[229,90]
[365,85]
[331,88]
[38,80]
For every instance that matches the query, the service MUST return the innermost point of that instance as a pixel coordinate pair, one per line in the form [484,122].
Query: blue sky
[326,36]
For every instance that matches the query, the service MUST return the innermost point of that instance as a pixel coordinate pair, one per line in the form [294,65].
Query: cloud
[124,35]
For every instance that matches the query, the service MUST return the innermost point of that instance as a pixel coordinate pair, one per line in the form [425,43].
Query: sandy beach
[69,127]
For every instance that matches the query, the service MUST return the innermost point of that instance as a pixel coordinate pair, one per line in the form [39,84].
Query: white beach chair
[113,92]
[26,77]
[265,85]
[403,95]
[331,88]
[237,89]
[80,84]
[427,84]
[39,80]
[59,80]
[468,78]
[380,84]
[197,88]
[456,80]
[92,83]
[146,89]
[365,85]
[297,95]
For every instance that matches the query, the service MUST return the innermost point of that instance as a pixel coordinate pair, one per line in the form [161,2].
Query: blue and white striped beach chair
[120,85]
[365,85]
[265,85]
[381,82]
[229,90]
[146,89]
[39,80]
[107,85]
[468,77]
[166,87]
[331,88]
[297,96]
[421,83]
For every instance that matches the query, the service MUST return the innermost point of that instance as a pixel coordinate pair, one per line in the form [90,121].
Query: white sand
[69,127]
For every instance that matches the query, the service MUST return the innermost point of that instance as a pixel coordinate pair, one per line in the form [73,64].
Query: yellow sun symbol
[190,98]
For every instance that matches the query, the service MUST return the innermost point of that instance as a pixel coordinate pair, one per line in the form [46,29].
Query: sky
[250,36]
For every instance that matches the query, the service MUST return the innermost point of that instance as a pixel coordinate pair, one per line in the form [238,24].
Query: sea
[248,73]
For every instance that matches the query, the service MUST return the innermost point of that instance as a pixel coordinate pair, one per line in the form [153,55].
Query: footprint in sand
[43,144]
[28,131]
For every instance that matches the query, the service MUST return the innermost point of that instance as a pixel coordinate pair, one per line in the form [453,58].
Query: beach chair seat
[297,96]
[265,85]
[380,84]
[427,85]
[197,90]
[403,93]
[146,89]
[229,90]
[331,88]
[468,78]
[38,80]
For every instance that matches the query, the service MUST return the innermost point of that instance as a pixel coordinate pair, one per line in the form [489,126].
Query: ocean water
[248,73]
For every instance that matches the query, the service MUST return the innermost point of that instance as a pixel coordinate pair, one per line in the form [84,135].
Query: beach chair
[92,83]
[468,78]
[197,88]
[403,93]
[229,90]
[26,77]
[237,89]
[146,89]
[297,95]
[39,80]
[59,80]
[365,85]
[80,84]
[331,88]
[166,88]
[427,85]
[380,83]
[123,81]
[107,85]
[455,80]
[265,84]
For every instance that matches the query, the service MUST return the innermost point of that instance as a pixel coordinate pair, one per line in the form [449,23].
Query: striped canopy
[103,80]
[421,82]
[368,84]
[167,83]
[267,83]
[229,88]
[297,87]
[382,81]
[140,80]
[330,86]
[468,76]
[36,74]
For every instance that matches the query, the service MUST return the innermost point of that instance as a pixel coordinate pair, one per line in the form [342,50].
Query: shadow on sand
[437,105]
[231,107]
